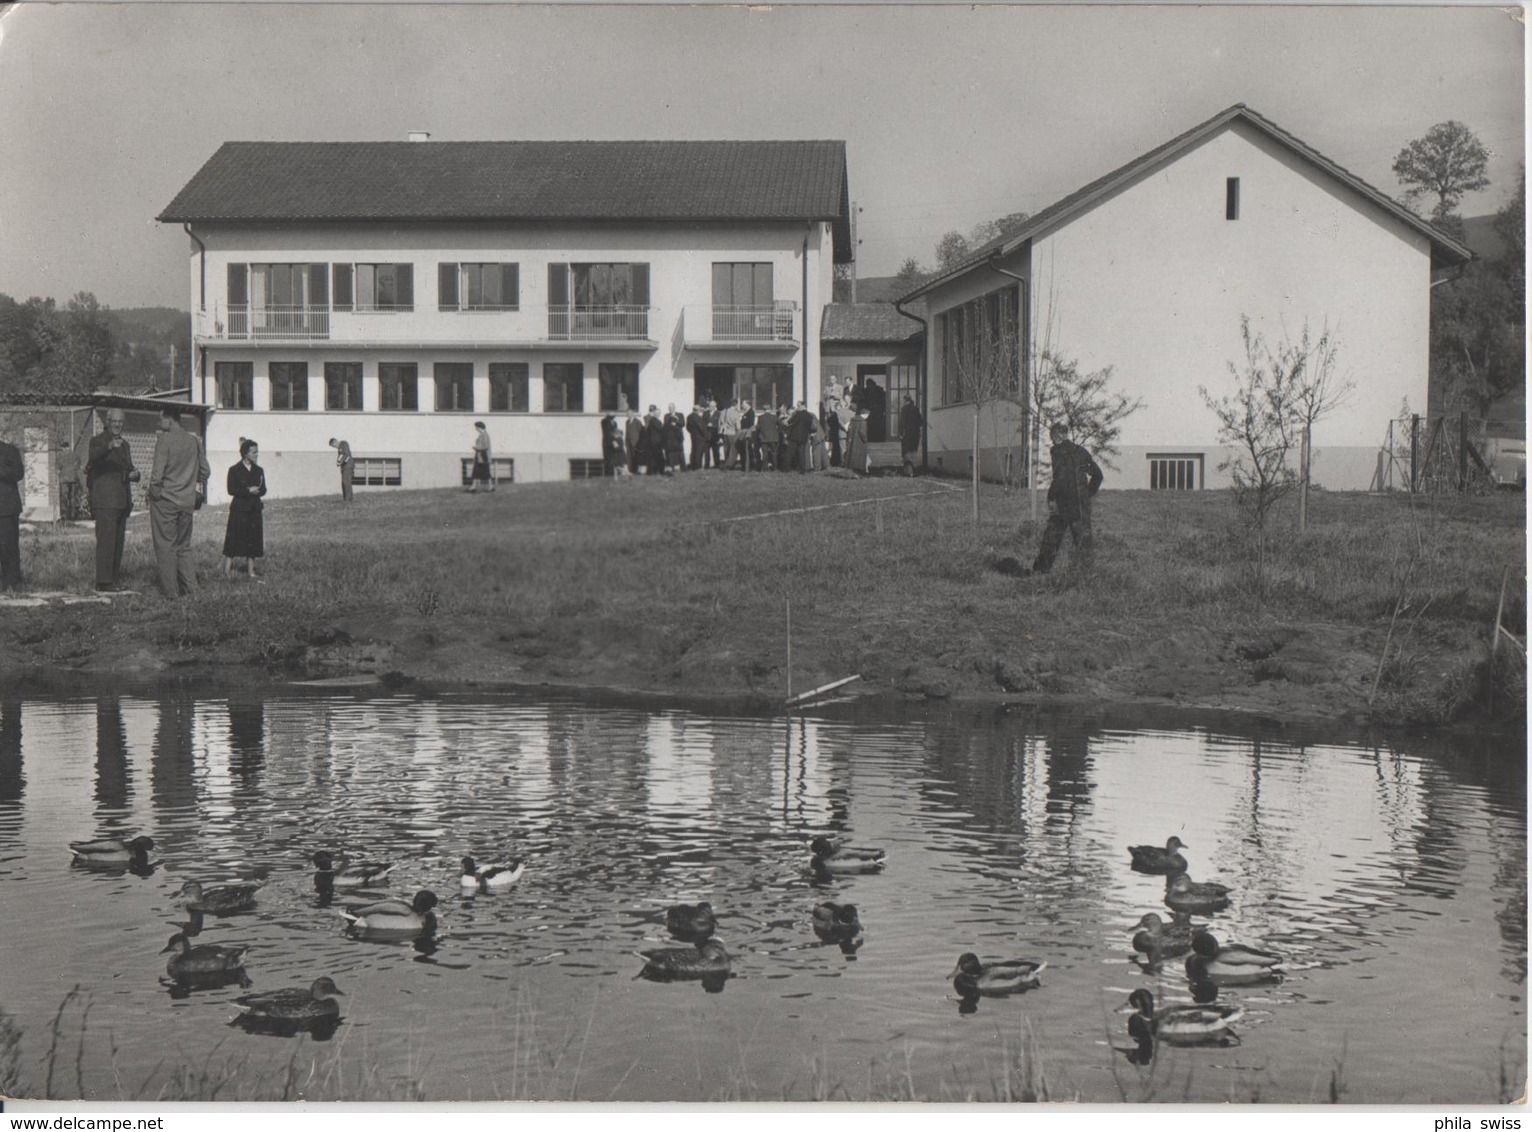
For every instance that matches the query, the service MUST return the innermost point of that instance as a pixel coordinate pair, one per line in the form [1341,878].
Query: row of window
[982,347]
[470,286]
[452,386]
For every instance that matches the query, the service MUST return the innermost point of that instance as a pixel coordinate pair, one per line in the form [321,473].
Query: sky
[952,114]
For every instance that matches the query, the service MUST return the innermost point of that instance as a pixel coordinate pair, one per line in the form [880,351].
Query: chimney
[420,135]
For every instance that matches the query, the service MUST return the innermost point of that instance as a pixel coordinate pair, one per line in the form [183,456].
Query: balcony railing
[777,322]
[247,322]
[619,322]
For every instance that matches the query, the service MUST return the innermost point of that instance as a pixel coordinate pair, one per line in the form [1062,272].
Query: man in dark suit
[654,442]
[768,431]
[109,474]
[800,427]
[696,428]
[633,433]
[11,472]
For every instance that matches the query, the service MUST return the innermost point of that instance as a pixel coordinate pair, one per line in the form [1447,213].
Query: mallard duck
[360,875]
[1180,1025]
[295,1005]
[204,959]
[1153,859]
[706,960]
[834,857]
[1232,964]
[1003,976]
[1186,895]
[488,878]
[218,899]
[1159,940]
[109,852]
[695,922]
[395,917]
[836,923]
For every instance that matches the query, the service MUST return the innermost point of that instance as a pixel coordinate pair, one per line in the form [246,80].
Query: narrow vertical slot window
[1231,198]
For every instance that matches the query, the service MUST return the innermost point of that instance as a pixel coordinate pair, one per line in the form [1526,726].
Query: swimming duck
[395,917]
[488,878]
[109,852]
[834,857]
[835,923]
[1180,1025]
[360,875]
[1003,976]
[218,899]
[695,922]
[1153,859]
[204,959]
[1186,895]
[1159,940]
[313,1003]
[1232,964]
[706,960]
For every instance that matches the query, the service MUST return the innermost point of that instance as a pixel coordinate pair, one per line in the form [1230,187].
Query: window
[502,469]
[454,387]
[508,388]
[1231,199]
[374,286]
[236,384]
[598,300]
[378,471]
[478,286]
[289,385]
[1176,471]
[343,386]
[619,386]
[729,385]
[742,302]
[397,388]
[981,347]
[278,300]
[563,387]
[586,469]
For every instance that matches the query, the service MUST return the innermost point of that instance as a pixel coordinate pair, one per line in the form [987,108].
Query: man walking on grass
[1076,479]
[180,471]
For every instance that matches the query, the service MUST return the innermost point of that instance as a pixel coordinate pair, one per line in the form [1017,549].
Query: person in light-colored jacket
[176,487]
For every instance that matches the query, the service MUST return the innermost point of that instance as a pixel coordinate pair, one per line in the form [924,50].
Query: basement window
[1231,198]
[502,469]
[1176,471]
[377,471]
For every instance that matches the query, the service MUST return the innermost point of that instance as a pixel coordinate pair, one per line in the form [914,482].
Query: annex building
[391,293]
[1150,269]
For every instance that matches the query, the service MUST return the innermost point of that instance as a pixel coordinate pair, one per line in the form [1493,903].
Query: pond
[1389,875]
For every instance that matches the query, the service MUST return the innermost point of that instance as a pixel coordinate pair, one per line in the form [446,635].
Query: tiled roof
[1445,251]
[865,322]
[520,180]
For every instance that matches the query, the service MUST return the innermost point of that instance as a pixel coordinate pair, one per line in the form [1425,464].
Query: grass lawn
[685,586]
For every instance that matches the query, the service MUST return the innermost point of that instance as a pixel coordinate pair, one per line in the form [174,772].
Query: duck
[219,899]
[836,923]
[695,922]
[489,878]
[111,852]
[1231,964]
[359,875]
[972,977]
[1159,940]
[1180,1025]
[1153,859]
[834,857]
[313,1003]
[395,917]
[707,960]
[204,959]
[1186,895]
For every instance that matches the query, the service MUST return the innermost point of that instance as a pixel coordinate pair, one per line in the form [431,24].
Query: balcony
[620,322]
[256,323]
[720,326]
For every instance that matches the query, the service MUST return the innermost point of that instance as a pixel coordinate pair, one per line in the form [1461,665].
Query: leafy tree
[951,250]
[47,350]
[909,275]
[1447,162]
[1511,226]
[1477,340]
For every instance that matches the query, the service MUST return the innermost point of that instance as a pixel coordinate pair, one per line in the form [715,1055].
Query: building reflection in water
[112,782]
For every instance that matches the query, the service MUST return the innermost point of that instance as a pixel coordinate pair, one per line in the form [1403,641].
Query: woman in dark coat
[245,536]
[856,444]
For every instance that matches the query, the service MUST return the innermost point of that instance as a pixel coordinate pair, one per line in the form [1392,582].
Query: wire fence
[1455,453]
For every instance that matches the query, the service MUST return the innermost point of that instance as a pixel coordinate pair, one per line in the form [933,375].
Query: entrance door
[872,395]
[37,502]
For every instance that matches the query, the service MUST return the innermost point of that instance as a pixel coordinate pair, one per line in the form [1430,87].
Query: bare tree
[984,352]
[1317,390]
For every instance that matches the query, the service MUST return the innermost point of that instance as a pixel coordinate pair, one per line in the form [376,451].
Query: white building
[392,293]
[1149,270]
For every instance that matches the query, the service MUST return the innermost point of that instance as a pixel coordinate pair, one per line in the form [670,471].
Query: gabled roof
[264,182]
[1445,251]
[865,322]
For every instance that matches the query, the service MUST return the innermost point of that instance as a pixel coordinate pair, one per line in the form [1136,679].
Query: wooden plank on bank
[815,693]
